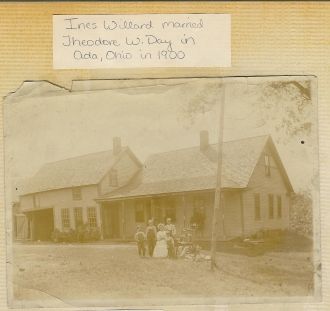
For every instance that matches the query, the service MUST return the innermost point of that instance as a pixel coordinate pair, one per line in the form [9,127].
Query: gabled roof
[78,171]
[191,169]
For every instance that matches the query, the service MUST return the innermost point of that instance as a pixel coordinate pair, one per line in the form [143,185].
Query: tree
[301,214]
[284,105]
[205,100]
[287,106]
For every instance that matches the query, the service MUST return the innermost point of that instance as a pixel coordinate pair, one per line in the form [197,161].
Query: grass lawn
[103,272]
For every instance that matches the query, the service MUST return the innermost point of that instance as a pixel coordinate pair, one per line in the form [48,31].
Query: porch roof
[166,187]
[192,169]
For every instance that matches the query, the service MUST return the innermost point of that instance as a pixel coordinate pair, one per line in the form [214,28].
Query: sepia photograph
[158,192]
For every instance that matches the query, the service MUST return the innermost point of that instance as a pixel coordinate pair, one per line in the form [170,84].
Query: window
[271,206]
[139,212]
[279,206]
[113,178]
[91,217]
[267,165]
[65,215]
[257,206]
[76,193]
[78,217]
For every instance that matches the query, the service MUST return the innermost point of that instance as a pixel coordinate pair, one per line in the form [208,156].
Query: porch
[121,217]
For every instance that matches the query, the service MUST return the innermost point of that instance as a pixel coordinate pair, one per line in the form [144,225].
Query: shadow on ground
[283,242]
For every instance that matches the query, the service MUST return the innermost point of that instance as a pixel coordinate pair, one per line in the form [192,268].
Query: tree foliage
[284,106]
[287,106]
[301,214]
[203,102]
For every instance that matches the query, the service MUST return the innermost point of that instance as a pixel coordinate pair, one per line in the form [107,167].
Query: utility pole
[218,203]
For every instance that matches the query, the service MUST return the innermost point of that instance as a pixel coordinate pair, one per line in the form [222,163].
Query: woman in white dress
[161,245]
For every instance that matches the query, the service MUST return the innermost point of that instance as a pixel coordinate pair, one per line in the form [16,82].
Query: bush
[301,214]
[83,233]
[64,236]
[91,234]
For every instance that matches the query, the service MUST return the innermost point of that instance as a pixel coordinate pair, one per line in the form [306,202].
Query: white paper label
[148,40]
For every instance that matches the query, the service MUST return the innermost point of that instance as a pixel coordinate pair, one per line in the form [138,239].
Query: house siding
[126,168]
[62,198]
[232,216]
[265,185]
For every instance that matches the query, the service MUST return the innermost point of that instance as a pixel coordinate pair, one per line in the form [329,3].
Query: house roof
[191,169]
[78,171]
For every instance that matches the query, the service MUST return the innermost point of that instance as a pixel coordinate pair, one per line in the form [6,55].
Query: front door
[111,221]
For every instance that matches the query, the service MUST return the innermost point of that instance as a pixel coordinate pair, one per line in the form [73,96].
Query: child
[140,237]
[170,245]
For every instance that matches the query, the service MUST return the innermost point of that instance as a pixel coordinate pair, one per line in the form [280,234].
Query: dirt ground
[78,273]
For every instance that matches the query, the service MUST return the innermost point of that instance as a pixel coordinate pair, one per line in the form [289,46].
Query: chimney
[116,145]
[204,140]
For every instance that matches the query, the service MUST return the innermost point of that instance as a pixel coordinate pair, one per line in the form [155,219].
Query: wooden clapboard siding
[62,198]
[265,185]
[57,199]
[126,168]
[232,216]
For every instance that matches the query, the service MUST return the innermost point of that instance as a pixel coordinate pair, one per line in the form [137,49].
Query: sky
[44,123]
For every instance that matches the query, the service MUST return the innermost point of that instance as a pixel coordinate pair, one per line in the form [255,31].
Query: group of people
[161,243]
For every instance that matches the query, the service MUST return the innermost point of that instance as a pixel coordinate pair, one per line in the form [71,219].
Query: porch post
[145,208]
[123,222]
[32,224]
[101,219]
[152,208]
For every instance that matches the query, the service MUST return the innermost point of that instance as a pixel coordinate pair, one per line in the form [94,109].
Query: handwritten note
[149,40]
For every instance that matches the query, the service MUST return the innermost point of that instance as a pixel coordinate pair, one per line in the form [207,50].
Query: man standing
[151,233]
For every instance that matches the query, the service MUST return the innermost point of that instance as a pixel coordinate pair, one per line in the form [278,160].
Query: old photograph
[157,192]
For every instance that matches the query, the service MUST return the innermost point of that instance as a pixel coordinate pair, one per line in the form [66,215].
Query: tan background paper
[157,42]
[267,39]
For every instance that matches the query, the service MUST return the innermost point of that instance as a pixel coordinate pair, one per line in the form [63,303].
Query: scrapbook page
[164,156]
